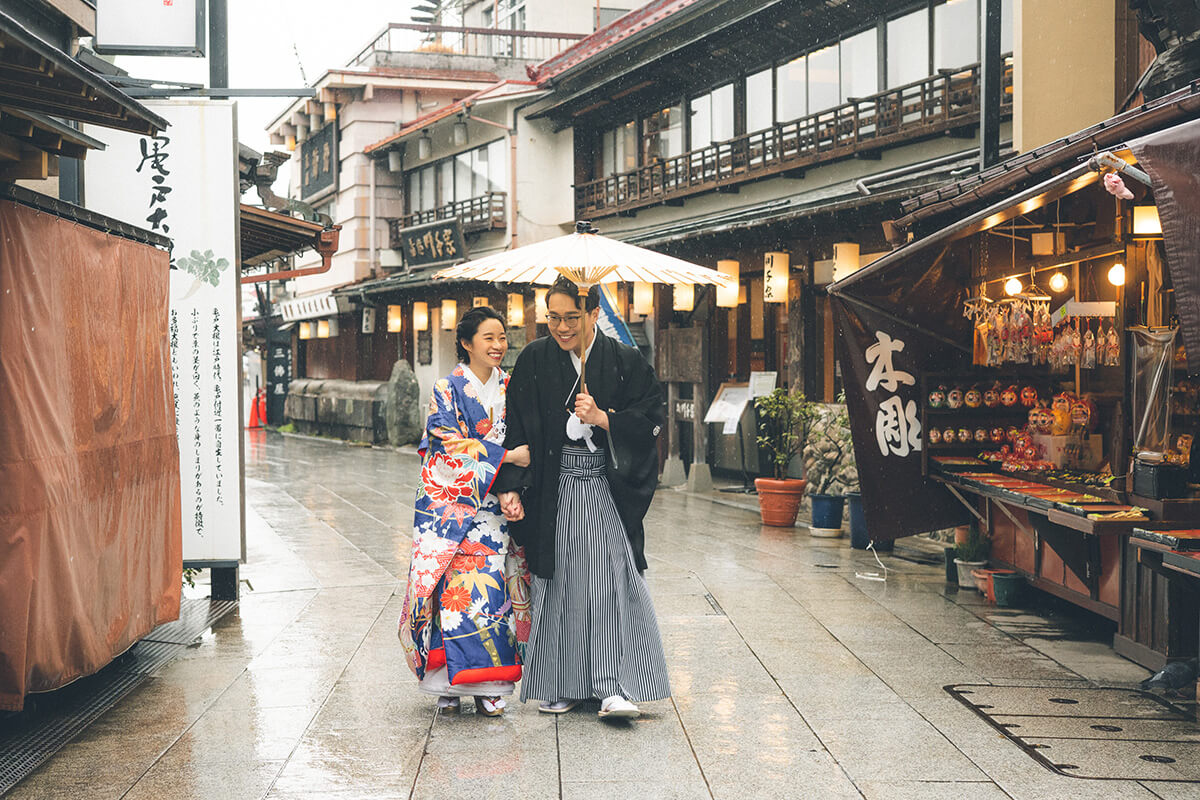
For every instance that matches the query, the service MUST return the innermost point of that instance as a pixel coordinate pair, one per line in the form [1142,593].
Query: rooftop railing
[944,102]
[520,45]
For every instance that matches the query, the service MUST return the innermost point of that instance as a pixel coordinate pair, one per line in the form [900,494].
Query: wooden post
[672,474]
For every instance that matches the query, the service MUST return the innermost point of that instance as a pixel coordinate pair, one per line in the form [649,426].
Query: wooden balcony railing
[943,102]
[483,213]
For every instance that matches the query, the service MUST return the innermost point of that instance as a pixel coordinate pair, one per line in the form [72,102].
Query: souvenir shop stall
[1026,371]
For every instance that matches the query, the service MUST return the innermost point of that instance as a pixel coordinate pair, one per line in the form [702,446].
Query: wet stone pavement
[792,676]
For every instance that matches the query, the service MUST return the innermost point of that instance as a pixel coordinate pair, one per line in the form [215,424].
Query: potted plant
[784,423]
[970,555]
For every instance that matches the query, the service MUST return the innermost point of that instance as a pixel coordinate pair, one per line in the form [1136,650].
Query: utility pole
[991,68]
[218,46]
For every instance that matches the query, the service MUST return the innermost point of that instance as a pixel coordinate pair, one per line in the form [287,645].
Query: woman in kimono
[466,607]
[578,511]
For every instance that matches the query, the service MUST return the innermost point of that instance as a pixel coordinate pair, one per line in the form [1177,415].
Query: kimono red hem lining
[486,675]
[436,659]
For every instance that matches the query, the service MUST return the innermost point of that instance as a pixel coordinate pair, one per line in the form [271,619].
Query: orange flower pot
[779,501]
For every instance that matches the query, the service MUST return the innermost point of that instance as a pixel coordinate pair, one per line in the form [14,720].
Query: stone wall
[829,464]
[352,410]
[374,412]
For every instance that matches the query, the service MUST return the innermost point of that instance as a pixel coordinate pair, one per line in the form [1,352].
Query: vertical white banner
[183,184]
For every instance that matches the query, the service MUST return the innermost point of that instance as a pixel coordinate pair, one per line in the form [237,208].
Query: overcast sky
[265,37]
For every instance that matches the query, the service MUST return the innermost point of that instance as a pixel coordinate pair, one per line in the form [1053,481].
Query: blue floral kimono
[467,603]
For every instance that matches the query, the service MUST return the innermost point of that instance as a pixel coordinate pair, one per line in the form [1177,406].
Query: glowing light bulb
[1012,287]
[1116,275]
[1058,282]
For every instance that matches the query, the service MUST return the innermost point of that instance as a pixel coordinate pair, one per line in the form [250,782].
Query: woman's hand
[510,505]
[518,456]
[586,410]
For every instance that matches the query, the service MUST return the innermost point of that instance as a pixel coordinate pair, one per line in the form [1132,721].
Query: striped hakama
[594,631]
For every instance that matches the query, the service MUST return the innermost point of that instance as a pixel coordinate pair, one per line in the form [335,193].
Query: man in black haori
[578,511]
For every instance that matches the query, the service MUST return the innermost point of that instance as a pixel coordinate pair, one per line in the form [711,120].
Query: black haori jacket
[624,385]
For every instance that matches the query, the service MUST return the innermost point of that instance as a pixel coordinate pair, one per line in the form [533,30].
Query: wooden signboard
[679,355]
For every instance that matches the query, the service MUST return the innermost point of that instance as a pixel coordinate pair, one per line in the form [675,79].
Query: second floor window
[662,135]
[471,174]
[712,117]
[618,149]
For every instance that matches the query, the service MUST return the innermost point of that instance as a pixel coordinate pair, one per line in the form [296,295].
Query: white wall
[545,172]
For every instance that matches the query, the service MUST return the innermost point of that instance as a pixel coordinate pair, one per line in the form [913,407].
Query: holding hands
[510,505]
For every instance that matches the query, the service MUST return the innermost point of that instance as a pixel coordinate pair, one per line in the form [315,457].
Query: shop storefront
[1025,370]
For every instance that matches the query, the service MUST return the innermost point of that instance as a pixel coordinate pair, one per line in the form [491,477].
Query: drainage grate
[51,719]
[1093,732]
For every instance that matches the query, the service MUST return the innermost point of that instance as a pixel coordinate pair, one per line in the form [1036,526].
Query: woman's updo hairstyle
[468,326]
[568,288]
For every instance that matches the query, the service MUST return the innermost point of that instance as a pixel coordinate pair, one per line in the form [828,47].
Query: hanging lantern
[395,161]
[395,319]
[727,297]
[775,277]
[1012,287]
[516,310]
[420,314]
[643,298]
[743,295]
[539,304]
[330,111]
[315,121]
[1146,221]
[684,297]
[290,142]
[323,329]
[845,259]
[460,132]
[449,314]
[305,330]
[424,146]
[1058,283]
[1116,275]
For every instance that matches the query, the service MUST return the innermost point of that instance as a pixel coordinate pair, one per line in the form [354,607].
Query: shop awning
[268,235]
[898,318]
[36,76]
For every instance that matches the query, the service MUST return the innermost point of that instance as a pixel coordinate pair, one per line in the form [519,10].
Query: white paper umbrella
[586,258]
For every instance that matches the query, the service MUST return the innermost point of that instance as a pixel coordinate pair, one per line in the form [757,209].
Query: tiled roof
[616,31]
[425,120]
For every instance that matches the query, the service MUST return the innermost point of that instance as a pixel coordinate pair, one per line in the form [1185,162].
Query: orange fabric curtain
[90,537]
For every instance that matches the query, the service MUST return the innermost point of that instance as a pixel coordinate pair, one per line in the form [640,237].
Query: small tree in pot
[784,423]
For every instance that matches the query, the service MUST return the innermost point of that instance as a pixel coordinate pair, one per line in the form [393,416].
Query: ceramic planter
[779,500]
[827,510]
[965,579]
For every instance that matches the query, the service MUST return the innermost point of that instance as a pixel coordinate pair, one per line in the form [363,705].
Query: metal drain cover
[1092,732]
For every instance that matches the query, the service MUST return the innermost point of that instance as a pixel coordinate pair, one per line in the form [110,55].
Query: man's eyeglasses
[572,320]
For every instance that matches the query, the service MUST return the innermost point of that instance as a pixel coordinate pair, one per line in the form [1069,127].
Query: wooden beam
[34,165]
[10,148]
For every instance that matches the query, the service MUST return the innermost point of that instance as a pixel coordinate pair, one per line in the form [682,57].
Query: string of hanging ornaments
[1019,329]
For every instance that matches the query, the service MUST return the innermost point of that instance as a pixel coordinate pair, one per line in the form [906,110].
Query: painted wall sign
[183,184]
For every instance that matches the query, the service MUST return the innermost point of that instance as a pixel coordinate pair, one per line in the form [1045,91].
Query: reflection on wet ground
[792,677]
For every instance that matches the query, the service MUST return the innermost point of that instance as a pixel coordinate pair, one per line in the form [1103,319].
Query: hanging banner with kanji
[881,362]
[183,184]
